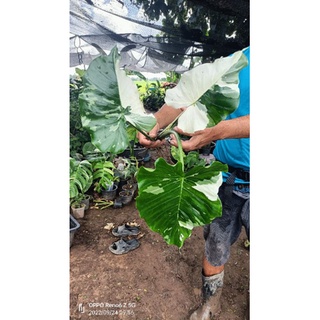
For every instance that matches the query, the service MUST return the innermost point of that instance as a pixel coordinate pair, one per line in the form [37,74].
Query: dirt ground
[155,281]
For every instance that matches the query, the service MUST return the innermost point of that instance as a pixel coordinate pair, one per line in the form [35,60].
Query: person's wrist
[220,131]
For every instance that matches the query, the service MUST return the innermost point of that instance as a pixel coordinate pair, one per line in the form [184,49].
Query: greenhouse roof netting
[157,36]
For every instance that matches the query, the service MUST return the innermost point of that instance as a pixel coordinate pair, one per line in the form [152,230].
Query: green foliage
[222,25]
[103,174]
[173,199]
[153,99]
[155,91]
[103,168]
[126,167]
[192,159]
[81,178]
[209,91]
[172,77]
[110,104]
[77,135]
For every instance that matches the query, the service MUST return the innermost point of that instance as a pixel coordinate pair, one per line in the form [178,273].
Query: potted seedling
[105,182]
[126,169]
[81,178]
[78,207]
[126,195]
[129,186]
[110,107]
[104,178]
[136,150]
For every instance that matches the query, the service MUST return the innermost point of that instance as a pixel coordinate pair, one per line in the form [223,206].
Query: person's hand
[226,129]
[143,140]
[197,139]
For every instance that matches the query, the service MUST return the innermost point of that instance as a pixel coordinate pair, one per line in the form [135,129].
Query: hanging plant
[173,199]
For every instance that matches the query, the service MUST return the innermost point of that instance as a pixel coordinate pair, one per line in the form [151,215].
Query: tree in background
[221,27]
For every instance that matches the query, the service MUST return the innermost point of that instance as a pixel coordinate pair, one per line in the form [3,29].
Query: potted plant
[133,182]
[73,227]
[131,186]
[126,196]
[104,178]
[78,207]
[165,190]
[80,180]
[125,169]
[136,150]
[78,136]
[86,201]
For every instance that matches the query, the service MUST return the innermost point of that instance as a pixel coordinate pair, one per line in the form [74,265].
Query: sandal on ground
[125,230]
[124,246]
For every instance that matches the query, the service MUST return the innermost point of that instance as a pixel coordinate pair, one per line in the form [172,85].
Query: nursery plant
[135,149]
[81,178]
[154,92]
[153,99]
[103,175]
[126,168]
[173,199]
[77,135]
[103,168]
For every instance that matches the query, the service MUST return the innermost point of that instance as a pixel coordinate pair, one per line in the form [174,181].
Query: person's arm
[225,129]
[166,115]
[234,128]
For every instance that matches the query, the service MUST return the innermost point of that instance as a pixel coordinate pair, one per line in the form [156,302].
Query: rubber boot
[211,291]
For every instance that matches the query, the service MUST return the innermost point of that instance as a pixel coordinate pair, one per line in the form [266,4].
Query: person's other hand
[197,139]
[143,140]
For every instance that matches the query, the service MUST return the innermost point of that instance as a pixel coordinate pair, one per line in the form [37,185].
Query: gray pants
[225,230]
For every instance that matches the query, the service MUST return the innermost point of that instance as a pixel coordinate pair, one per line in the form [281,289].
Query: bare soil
[155,281]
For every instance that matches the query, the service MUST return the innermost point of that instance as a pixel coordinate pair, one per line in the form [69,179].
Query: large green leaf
[173,202]
[103,174]
[171,199]
[109,101]
[81,177]
[209,91]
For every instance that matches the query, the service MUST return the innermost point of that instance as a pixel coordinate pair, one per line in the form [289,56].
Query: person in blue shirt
[232,138]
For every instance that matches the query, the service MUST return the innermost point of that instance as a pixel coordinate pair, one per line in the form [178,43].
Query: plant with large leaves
[172,199]
[80,180]
[103,175]
[110,105]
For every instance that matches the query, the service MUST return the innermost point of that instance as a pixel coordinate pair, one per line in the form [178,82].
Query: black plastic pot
[110,194]
[126,196]
[122,182]
[86,201]
[130,187]
[74,226]
[138,151]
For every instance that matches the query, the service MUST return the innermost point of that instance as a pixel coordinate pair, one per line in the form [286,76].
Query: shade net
[157,36]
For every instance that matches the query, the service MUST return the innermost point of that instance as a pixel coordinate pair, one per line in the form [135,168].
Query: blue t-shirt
[236,152]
